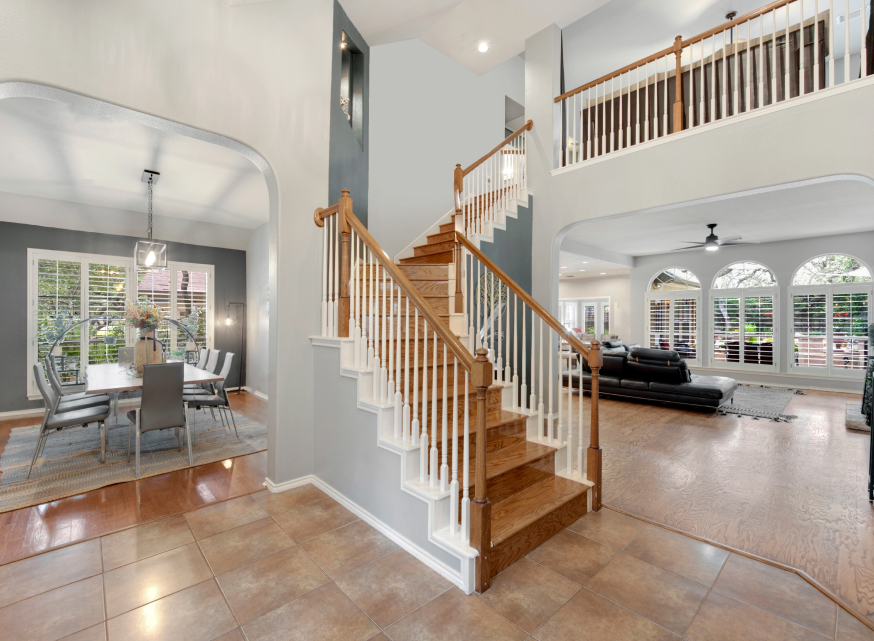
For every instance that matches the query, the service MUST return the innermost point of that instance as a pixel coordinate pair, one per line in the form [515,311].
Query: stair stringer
[437,502]
[488,234]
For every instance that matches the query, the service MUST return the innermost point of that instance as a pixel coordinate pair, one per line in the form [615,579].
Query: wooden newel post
[458,186]
[480,508]
[593,456]
[678,79]
[345,208]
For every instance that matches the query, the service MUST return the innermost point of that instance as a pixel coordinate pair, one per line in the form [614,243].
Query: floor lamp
[232,320]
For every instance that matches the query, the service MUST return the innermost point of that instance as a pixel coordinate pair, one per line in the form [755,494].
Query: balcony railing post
[593,460]
[345,207]
[480,508]
[678,101]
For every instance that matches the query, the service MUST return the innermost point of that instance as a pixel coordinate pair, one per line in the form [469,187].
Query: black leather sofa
[630,371]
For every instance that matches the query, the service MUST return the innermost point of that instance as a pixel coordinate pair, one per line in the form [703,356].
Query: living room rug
[70,462]
[759,401]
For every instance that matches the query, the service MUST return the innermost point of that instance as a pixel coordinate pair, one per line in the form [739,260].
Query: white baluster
[831,44]
[724,93]
[761,66]
[570,412]
[406,416]
[365,326]
[395,364]
[328,225]
[465,461]
[499,361]
[515,378]
[801,56]
[453,486]
[712,81]
[384,362]
[551,419]
[325,280]
[336,238]
[701,87]
[444,469]
[540,407]
[480,302]
[560,422]
[863,66]
[736,86]
[747,96]
[567,132]
[508,364]
[580,412]
[471,295]
[523,390]
[787,90]
[423,449]
[846,41]
[354,330]
[816,86]
[390,361]
[434,461]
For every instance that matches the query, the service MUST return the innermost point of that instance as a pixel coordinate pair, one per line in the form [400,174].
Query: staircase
[434,339]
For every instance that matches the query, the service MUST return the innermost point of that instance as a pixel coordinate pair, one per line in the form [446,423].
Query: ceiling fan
[712,242]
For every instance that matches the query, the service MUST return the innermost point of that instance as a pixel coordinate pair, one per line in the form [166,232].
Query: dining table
[114,378]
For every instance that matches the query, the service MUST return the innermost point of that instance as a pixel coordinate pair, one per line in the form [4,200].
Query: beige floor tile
[656,594]
[306,521]
[266,584]
[48,571]
[219,517]
[528,594]
[233,635]
[344,549]
[244,544]
[779,592]
[198,613]
[608,527]
[136,584]
[572,556]
[680,554]
[453,615]
[277,503]
[146,540]
[589,617]
[325,614]
[379,637]
[851,629]
[724,619]
[55,614]
[392,587]
[94,633]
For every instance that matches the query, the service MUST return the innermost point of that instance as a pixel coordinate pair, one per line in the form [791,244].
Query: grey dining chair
[162,406]
[220,399]
[55,420]
[76,400]
[208,362]
[201,360]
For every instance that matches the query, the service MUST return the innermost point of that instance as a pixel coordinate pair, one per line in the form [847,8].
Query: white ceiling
[51,151]
[573,266]
[457,27]
[836,206]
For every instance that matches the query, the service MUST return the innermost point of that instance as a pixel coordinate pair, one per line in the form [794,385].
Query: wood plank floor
[791,492]
[30,530]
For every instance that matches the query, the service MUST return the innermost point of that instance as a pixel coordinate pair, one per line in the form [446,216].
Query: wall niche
[352,85]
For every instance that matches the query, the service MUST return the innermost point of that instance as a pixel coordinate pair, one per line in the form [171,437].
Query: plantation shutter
[106,297]
[154,287]
[809,329]
[660,324]
[191,295]
[849,317]
[59,293]
[684,332]
[726,329]
[607,319]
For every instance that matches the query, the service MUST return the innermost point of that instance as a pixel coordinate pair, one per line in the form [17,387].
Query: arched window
[673,305]
[830,300]
[743,303]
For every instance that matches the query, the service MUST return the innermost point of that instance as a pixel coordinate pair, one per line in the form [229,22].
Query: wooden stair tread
[530,504]
[517,455]
[443,258]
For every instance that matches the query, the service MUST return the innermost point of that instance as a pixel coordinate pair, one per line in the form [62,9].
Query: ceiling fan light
[711,247]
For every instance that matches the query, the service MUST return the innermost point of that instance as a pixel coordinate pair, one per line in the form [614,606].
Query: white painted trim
[396,537]
[787,104]
[246,388]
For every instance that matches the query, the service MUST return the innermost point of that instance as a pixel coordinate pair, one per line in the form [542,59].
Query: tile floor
[298,565]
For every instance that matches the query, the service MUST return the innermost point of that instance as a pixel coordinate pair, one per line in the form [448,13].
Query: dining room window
[65,288]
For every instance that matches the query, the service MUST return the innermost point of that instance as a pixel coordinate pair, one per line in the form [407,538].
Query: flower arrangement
[143,316]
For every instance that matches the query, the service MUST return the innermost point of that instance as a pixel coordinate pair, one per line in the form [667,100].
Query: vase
[146,351]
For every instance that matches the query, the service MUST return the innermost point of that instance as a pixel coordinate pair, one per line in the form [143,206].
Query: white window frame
[829,290]
[671,296]
[742,294]
[34,255]
[580,304]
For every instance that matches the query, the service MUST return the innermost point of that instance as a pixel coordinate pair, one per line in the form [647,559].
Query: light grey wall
[783,259]
[258,309]
[349,159]
[15,239]
[428,113]
[617,288]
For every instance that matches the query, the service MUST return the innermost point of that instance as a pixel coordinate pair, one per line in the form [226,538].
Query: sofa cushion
[612,343]
[628,348]
[661,355]
[717,387]
[632,383]
[605,381]
[668,373]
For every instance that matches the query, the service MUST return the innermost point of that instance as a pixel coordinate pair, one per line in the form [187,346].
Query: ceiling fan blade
[735,244]
[689,242]
[686,249]
[730,239]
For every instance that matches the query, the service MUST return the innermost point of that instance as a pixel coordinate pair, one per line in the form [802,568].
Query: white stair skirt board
[488,234]
[437,503]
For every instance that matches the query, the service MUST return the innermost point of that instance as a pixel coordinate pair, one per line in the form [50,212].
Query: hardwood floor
[792,492]
[30,530]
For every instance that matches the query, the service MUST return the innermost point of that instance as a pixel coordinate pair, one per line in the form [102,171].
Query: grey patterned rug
[70,463]
[759,401]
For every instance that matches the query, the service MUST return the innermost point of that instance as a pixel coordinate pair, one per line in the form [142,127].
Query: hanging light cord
[150,208]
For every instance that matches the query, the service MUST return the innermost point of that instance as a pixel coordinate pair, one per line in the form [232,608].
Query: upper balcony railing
[739,67]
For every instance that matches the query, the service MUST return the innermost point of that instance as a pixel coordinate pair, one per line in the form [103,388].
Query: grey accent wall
[349,158]
[15,239]
[258,309]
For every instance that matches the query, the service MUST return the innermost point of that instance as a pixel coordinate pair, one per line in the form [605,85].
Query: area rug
[70,462]
[759,401]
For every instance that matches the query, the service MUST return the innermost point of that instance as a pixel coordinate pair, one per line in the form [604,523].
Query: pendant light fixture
[148,253]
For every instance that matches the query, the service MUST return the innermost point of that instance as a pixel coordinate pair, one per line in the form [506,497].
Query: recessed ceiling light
[483,47]
[585,262]
[603,273]
[582,270]
[564,266]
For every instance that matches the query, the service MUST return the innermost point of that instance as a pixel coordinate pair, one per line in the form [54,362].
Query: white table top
[110,378]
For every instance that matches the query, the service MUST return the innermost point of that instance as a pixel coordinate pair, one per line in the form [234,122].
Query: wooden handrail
[526,127]
[465,358]
[672,49]
[550,320]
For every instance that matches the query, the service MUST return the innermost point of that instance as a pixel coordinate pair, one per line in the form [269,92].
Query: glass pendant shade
[151,254]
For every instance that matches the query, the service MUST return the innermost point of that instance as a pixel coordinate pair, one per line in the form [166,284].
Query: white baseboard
[422,555]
